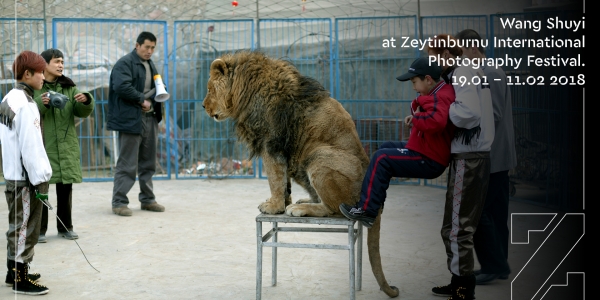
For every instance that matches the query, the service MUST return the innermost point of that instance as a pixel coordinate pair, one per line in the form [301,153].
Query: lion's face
[217,102]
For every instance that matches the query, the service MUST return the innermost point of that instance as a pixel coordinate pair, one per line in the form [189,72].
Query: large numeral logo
[554,269]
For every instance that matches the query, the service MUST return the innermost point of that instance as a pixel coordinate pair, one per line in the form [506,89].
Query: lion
[301,133]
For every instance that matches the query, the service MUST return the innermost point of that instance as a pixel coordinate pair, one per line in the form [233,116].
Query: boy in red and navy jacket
[426,154]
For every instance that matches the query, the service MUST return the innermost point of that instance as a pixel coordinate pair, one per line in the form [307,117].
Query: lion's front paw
[271,207]
[295,211]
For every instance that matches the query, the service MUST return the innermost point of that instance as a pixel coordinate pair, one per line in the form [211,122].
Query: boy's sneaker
[444,291]
[10,280]
[461,287]
[23,284]
[357,214]
[28,287]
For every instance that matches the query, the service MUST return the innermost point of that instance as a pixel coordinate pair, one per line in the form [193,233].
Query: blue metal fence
[91,47]
[17,35]
[434,25]
[363,64]
[205,148]
[346,55]
[20,34]
[374,98]
[305,42]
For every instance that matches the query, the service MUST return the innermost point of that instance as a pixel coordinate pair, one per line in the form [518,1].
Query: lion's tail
[375,259]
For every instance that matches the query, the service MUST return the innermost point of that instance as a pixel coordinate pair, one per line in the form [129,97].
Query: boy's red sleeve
[413,106]
[436,107]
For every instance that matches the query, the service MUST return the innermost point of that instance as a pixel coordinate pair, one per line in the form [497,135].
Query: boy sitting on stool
[426,154]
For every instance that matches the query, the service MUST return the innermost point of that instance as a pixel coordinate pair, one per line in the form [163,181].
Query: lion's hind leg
[322,208]
[313,196]
[336,179]
[309,207]
[303,179]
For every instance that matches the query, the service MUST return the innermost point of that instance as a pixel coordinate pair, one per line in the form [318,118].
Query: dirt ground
[204,247]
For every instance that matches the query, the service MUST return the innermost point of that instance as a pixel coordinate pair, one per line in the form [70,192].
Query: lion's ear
[218,67]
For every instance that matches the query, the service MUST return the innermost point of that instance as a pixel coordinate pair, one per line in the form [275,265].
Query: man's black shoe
[488,278]
[500,276]
[357,214]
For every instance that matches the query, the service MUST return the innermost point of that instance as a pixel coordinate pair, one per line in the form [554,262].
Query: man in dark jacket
[133,112]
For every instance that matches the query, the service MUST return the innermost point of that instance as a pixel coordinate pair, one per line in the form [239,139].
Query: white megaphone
[161,93]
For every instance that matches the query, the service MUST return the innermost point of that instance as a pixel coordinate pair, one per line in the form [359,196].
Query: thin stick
[50,208]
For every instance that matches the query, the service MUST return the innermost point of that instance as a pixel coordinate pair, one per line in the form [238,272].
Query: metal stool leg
[351,258]
[259,252]
[354,234]
[359,251]
[274,258]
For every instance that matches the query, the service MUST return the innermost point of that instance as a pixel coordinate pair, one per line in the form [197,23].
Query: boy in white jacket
[26,171]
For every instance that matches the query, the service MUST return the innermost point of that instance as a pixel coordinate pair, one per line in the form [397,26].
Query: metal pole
[419,19]
[257,28]
[274,257]
[352,261]
[259,254]
[359,251]
[45,33]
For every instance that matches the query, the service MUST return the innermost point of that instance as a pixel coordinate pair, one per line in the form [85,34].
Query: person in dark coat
[491,238]
[134,114]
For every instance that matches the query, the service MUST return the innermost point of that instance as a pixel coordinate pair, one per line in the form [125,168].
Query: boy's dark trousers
[393,160]
[23,220]
[63,209]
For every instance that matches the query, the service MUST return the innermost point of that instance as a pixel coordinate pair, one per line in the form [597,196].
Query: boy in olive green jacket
[60,138]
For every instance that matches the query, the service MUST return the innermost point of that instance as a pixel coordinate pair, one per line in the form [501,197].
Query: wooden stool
[353,236]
